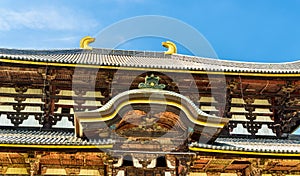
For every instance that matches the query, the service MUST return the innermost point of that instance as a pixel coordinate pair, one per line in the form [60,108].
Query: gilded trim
[197,149]
[172,49]
[85,41]
[191,118]
[151,69]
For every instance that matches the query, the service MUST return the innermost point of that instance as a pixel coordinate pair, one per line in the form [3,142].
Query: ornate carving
[18,107]
[255,169]
[271,126]
[172,49]
[72,170]
[109,162]
[138,123]
[152,82]
[286,118]
[249,101]
[184,162]
[144,159]
[52,119]
[21,89]
[232,125]
[85,41]
[288,88]
[252,127]
[79,100]
[291,102]
[17,118]
[34,166]
[3,169]
[232,85]
[55,119]
[290,121]
[80,92]
[49,90]
[250,116]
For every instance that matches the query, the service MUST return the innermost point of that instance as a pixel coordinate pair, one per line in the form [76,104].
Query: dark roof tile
[26,136]
[142,59]
[33,137]
[256,145]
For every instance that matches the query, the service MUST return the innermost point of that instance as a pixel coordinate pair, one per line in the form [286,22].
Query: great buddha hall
[92,111]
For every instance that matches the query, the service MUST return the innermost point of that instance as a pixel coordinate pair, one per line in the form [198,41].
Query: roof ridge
[104,51]
[235,61]
[140,59]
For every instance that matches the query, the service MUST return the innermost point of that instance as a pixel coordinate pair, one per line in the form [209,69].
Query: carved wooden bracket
[17,118]
[252,127]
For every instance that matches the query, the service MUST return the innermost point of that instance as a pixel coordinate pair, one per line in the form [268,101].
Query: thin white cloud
[64,39]
[44,18]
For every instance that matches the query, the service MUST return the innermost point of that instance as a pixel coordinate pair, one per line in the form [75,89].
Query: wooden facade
[114,112]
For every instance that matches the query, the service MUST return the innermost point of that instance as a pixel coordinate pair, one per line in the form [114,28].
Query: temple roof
[143,59]
[34,138]
[244,91]
[263,145]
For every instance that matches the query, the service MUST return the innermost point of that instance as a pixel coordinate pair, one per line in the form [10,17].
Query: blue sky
[257,30]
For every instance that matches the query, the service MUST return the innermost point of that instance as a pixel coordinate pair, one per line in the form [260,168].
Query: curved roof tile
[124,58]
